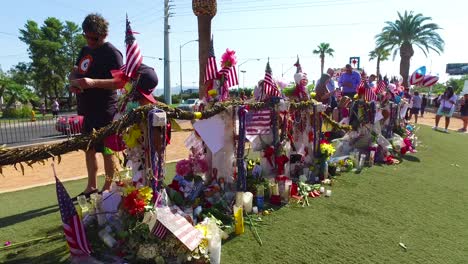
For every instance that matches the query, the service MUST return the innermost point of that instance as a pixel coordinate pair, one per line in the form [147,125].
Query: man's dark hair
[95,23]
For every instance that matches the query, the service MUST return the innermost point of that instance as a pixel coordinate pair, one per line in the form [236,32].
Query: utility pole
[167,68]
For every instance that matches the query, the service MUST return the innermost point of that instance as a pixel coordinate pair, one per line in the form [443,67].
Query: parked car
[70,124]
[190,105]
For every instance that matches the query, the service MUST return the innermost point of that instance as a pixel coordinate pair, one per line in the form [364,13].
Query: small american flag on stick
[72,226]
[211,69]
[381,86]
[133,54]
[258,122]
[230,76]
[369,95]
[179,226]
[269,85]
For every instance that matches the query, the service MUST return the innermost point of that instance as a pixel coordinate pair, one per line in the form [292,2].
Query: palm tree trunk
[204,37]
[378,69]
[406,52]
[322,64]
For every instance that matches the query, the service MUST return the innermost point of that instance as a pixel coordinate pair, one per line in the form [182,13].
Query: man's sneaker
[445,130]
[434,128]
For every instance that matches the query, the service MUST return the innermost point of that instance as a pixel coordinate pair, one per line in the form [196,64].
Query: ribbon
[281,162]
[268,154]
[241,172]
[156,159]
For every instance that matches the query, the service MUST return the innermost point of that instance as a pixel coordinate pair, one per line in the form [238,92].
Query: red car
[71,124]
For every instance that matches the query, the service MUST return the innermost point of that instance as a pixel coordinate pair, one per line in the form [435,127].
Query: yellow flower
[128,87]
[327,149]
[146,193]
[129,189]
[131,137]
[203,229]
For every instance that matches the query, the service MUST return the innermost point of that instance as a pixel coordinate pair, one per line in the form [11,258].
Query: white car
[191,105]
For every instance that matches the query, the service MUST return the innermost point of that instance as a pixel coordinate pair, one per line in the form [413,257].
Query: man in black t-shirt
[96,91]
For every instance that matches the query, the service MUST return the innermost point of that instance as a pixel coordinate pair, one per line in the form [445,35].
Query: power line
[282,7]
[284,27]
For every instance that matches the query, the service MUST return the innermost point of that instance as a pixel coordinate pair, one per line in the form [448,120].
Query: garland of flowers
[31,155]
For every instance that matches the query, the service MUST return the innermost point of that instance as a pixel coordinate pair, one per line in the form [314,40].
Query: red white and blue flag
[369,94]
[269,86]
[72,226]
[133,54]
[230,76]
[175,223]
[381,87]
[258,122]
[211,69]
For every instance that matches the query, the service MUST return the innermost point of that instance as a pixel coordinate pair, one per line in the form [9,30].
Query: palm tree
[205,10]
[381,54]
[409,30]
[323,49]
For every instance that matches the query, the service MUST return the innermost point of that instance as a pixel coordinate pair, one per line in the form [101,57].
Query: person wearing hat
[92,78]
[146,83]
[349,80]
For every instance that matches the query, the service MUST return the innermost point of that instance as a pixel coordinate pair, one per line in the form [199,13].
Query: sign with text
[457,68]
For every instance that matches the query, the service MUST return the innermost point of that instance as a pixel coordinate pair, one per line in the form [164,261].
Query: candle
[275,189]
[247,202]
[328,193]
[239,198]
[239,220]
[255,210]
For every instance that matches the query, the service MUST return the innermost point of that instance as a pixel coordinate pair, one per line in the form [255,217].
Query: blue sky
[278,29]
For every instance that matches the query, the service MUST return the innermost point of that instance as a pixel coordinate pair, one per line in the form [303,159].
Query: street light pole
[180,61]
[243,79]
[239,69]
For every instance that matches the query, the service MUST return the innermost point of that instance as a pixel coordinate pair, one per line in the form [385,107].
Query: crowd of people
[350,83]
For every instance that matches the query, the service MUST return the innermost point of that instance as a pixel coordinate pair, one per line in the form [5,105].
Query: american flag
[133,55]
[369,95]
[211,69]
[179,226]
[381,87]
[230,76]
[159,230]
[258,122]
[269,86]
[72,225]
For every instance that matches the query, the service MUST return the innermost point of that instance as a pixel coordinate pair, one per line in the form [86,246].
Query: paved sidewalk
[73,166]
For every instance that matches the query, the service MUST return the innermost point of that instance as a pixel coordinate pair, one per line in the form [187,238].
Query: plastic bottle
[260,197]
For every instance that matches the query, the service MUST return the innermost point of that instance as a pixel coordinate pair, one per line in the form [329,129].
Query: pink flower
[200,165]
[7,243]
[229,59]
[184,168]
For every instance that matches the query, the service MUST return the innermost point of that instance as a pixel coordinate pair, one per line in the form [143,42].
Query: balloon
[418,76]
[429,80]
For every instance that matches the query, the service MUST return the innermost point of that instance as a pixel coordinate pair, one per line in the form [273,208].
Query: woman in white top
[447,107]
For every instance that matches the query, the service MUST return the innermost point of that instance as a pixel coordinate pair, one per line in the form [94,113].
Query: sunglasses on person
[89,37]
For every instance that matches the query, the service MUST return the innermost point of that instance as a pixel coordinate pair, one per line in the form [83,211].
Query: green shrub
[23,112]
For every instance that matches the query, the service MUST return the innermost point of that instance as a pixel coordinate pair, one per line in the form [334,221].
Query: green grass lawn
[421,203]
